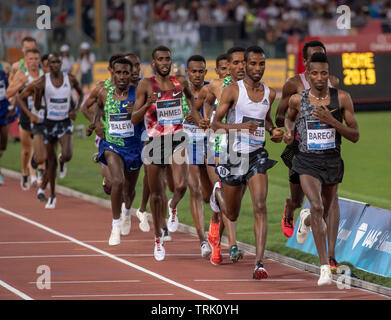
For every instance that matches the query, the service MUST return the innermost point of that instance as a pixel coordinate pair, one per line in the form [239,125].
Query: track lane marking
[109,255]
[15,291]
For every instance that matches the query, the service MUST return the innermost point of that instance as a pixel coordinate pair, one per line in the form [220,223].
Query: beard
[163,74]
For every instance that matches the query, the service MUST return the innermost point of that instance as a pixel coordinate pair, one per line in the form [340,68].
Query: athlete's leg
[52,167]
[258,186]
[179,174]
[145,197]
[196,206]
[66,142]
[312,188]
[129,191]
[40,152]
[3,139]
[26,142]
[332,219]
[157,196]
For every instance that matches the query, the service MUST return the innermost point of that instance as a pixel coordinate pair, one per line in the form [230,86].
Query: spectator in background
[67,60]
[18,15]
[86,62]
[59,32]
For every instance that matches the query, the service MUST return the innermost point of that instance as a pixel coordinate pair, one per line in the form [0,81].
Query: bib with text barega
[320,136]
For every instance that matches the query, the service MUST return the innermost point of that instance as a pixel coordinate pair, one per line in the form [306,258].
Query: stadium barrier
[363,237]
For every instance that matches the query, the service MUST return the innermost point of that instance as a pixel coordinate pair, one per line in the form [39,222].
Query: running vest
[4,103]
[315,136]
[193,131]
[306,84]
[119,129]
[165,115]
[58,100]
[248,110]
[220,141]
[30,99]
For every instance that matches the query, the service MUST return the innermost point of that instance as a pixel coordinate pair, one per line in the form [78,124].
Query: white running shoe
[34,181]
[166,235]
[206,250]
[143,217]
[159,252]
[212,202]
[62,170]
[125,221]
[325,275]
[51,204]
[172,223]
[303,231]
[115,236]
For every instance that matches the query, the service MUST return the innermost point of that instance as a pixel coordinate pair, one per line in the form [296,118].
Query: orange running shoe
[216,258]
[213,233]
[287,225]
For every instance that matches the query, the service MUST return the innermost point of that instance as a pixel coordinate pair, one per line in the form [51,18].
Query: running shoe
[115,236]
[41,197]
[40,176]
[1,179]
[303,231]
[206,251]
[235,253]
[333,265]
[125,220]
[143,218]
[213,233]
[24,183]
[172,222]
[212,201]
[33,181]
[166,235]
[62,168]
[259,271]
[287,225]
[159,252]
[325,275]
[51,204]
[216,258]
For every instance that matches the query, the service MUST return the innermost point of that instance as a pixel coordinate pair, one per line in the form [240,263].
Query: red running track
[71,242]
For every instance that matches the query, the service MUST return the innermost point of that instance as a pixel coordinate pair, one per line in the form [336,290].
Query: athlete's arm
[348,131]
[76,85]
[228,100]
[293,107]
[21,98]
[98,113]
[14,70]
[289,89]
[16,84]
[145,97]
[195,111]
[186,90]
[276,134]
[39,85]
[88,106]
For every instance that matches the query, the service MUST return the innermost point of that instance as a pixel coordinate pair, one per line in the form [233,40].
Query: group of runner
[209,137]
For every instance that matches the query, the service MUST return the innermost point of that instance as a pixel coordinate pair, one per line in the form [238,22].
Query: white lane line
[286,292]
[88,281]
[249,280]
[98,255]
[109,255]
[113,295]
[85,241]
[15,291]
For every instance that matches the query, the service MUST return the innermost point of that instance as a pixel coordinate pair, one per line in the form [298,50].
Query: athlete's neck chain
[252,87]
[318,98]
[123,94]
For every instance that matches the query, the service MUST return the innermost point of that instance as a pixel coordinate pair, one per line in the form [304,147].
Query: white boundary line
[109,255]
[15,291]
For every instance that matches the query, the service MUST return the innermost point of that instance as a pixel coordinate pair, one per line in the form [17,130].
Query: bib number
[120,125]
[257,138]
[58,109]
[169,112]
[320,136]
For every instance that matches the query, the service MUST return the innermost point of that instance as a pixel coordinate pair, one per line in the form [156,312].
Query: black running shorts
[258,163]
[329,169]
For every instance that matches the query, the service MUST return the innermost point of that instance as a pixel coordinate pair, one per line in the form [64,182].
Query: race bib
[257,138]
[194,132]
[2,90]
[120,125]
[320,136]
[58,109]
[169,112]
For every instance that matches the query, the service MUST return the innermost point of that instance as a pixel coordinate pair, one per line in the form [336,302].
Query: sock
[125,211]
[116,223]
[40,191]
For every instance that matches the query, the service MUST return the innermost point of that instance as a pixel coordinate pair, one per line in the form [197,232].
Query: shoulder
[292,84]
[144,84]
[334,81]
[295,99]
[272,93]
[182,80]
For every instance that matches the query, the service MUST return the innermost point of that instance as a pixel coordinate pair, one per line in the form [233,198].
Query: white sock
[125,211]
[40,191]
[116,223]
